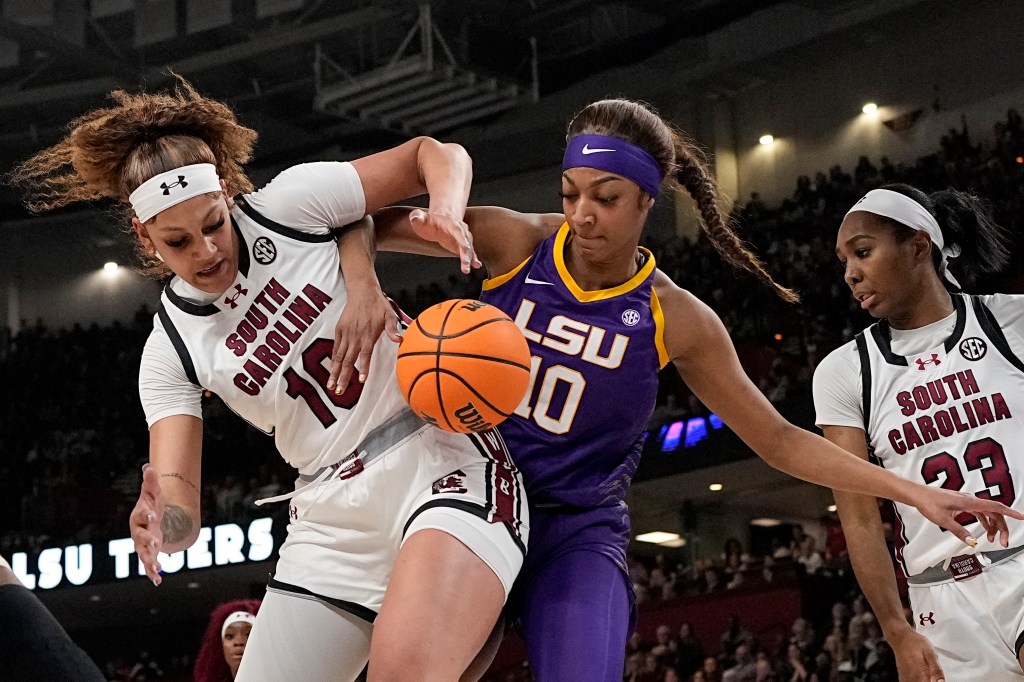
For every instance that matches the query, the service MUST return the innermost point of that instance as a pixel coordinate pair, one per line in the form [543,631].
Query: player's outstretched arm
[862,526]
[502,238]
[166,515]
[702,352]
[424,165]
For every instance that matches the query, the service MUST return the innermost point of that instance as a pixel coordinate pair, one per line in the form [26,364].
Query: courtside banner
[89,564]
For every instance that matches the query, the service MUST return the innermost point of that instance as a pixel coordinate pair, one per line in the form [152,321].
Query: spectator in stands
[735,635]
[836,644]
[808,555]
[710,671]
[793,668]
[664,647]
[223,643]
[689,651]
[824,668]
[764,672]
[734,559]
[802,634]
[745,669]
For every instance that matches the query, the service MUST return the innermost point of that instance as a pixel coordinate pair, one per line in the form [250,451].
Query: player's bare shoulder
[685,315]
[504,238]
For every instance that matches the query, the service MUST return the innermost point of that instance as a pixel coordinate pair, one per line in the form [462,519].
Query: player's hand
[915,658]
[449,231]
[942,506]
[144,523]
[367,313]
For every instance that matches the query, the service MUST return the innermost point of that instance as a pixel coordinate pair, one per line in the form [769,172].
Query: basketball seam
[450,373]
[472,356]
[437,367]
[441,335]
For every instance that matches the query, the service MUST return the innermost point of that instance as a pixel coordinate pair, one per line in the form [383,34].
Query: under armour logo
[239,291]
[921,362]
[180,183]
[930,618]
[293,512]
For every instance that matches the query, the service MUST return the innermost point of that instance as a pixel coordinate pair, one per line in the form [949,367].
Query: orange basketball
[463,365]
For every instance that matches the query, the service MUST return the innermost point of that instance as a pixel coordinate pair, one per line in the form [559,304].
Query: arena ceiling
[265,57]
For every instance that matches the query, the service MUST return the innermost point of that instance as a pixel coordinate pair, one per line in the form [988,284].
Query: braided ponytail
[684,166]
[692,174]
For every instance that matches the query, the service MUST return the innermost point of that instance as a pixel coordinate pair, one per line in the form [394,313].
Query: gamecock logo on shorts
[452,483]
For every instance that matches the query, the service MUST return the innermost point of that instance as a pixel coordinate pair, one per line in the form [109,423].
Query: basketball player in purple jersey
[601,321]
[934,393]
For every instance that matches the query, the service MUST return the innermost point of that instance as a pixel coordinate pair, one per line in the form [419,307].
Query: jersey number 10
[300,387]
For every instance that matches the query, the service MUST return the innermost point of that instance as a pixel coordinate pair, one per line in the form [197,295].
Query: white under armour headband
[173,187]
[236,617]
[903,209]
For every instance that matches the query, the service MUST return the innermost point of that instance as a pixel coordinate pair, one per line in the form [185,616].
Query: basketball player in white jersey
[934,391]
[397,529]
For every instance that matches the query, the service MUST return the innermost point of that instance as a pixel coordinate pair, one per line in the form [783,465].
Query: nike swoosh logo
[531,280]
[587,150]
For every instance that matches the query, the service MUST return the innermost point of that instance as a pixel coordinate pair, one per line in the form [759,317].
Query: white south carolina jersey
[950,413]
[264,345]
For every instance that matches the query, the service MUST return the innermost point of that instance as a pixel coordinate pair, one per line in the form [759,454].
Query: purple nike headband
[614,155]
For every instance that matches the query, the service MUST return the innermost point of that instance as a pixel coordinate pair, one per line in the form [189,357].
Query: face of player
[195,240]
[606,213]
[882,273]
[234,640]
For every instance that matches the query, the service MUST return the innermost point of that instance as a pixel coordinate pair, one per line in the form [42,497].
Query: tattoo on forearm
[176,524]
[182,479]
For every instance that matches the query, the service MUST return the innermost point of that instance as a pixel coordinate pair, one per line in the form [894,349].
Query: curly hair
[109,152]
[685,167]
[210,663]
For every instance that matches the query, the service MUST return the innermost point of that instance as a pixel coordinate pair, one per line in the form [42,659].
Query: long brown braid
[684,167]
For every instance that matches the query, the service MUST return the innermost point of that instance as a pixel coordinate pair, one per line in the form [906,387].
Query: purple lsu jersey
[595,356]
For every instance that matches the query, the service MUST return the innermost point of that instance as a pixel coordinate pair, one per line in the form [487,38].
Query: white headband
[903,209]
[173,187]
[236,617]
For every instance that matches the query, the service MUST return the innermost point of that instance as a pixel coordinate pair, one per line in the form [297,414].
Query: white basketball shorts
[344,533]
[976,625]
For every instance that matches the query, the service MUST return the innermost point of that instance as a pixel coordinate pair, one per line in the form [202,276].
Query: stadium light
[715,487]
[870,108]
[765,522]
[832,507]
[110,267]
[766,139]
[658,537]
